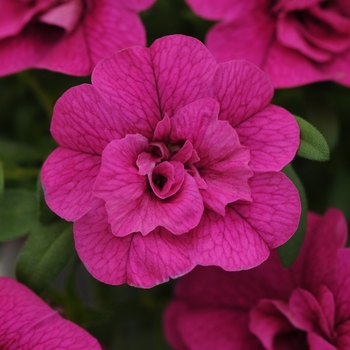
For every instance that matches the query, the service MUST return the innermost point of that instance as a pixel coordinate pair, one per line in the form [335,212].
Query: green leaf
[45,253]
[290,250]
[18,213]
[313,145]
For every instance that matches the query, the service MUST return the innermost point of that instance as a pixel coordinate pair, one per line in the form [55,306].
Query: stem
[41,95]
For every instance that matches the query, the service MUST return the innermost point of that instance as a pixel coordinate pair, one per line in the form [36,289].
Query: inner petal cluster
[193,161]
[164,166]
[319,32]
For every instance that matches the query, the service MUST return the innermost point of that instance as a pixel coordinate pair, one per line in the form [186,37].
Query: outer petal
[134,259]
[83,121]
[105,28]
[228,241]
[225,41]
[241,89]
[273,137]
[126,80]
[223,163]
[172,315]
[239,290]
[130,202]
[207,329]
[111,27]
[275,210]
[183,69]
[226,8]
[282,64]
[137,5]
[28,48]
[340,285]
[68,178]
[325,235]
[26,322]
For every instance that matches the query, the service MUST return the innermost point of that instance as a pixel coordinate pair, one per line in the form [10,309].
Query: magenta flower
[68,36]
[169,161]
[305,307]
[26,322]
[295,42]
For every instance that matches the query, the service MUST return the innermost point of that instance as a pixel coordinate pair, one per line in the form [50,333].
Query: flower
[169,160]
[294,42]
[304,307]
[26,322]
[68,36]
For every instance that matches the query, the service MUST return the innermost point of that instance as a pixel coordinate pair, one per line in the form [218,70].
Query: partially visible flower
[305,307]
[295,42]
[68,36]
[27,323]
[169,161]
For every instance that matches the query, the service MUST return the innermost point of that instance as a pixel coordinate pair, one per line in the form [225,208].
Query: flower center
[165,166]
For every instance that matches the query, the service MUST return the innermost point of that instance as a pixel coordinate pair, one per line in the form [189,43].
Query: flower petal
[220,9]
[126,80]
[68,178]
[237,290]
[308,315]
[83,121]
[316,342]
[241,89]
[28,323]
[141,261]
[274,213]
[272,135]
[324,237]
[113,26]
[130,202]
[228,241]
[269,322]
[206,329]
[282,64]
[183,68]
[339,283]
[223,163]
[257,29]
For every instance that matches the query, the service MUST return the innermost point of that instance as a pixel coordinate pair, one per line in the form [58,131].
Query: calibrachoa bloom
[27,323]
[295,42]
[68,36]
[305,307]
[169,160]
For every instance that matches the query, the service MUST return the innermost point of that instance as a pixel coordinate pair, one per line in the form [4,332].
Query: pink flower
[169,161]
[295,42]
[68,36]
[305,307]
[26,322]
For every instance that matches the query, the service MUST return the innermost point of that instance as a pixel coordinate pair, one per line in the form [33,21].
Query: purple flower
[269,307]
[169,161]
[68,36]
[26,322]
[295,42]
